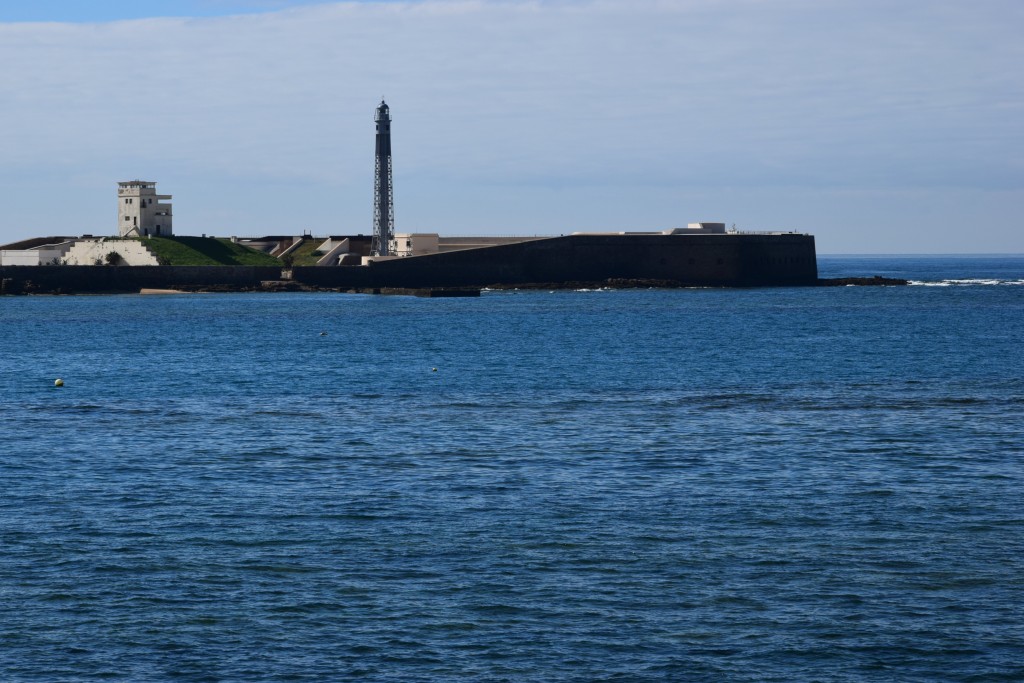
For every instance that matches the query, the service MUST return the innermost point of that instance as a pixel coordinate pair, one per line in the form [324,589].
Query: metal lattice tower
[383,193]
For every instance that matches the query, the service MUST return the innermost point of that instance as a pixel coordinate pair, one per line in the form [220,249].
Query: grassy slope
[206,251]
[304,256]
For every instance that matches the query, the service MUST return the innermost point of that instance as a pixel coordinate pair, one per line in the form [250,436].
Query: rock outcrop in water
[876,281]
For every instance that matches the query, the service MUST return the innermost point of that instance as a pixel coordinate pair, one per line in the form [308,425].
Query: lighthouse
[383,193]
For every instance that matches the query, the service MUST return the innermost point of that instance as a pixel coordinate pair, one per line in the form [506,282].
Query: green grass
[304,255]
[206,251]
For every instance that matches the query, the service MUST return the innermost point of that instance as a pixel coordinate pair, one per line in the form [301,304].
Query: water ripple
[775,485]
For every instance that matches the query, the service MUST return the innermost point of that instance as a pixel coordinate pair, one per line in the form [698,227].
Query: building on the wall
[140,211]
[416,243]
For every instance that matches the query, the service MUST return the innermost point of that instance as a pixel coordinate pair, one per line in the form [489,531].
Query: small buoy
[58,382]
[433,369]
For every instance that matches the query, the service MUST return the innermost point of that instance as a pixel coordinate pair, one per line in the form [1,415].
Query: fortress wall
[699,260]
[98,279]
[696,260]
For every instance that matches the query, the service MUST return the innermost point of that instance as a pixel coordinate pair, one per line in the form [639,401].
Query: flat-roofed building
[140,211]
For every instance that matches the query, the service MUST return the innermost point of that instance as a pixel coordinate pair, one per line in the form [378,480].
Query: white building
[140,212]
[416,243]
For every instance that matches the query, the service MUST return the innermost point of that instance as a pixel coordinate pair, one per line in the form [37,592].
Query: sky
[879,127]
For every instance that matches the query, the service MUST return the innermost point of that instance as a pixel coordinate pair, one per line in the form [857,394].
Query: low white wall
[88,252]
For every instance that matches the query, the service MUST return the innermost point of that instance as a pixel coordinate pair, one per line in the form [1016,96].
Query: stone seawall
[104,279]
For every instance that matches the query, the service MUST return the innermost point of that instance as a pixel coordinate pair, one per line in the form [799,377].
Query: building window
[126,217]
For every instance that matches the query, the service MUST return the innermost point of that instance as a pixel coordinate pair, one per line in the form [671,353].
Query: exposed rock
[876,281]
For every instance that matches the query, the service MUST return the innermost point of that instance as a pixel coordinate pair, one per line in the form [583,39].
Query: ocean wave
[969,282]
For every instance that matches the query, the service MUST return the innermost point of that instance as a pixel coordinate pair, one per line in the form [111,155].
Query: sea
[780,484]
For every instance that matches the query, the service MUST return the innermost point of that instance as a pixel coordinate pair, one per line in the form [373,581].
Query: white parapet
[704,228]
[367,260]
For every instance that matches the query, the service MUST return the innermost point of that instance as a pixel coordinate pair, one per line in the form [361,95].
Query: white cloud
[611,93]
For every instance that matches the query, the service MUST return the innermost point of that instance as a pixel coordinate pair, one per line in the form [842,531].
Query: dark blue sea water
[692,485]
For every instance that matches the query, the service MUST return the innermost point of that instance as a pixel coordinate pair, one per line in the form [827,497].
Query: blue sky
[880,127]
[114,10]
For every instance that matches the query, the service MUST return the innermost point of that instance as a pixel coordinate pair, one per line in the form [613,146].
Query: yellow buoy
[58,382]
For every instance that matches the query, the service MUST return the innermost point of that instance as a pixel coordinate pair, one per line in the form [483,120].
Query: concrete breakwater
[571,261]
